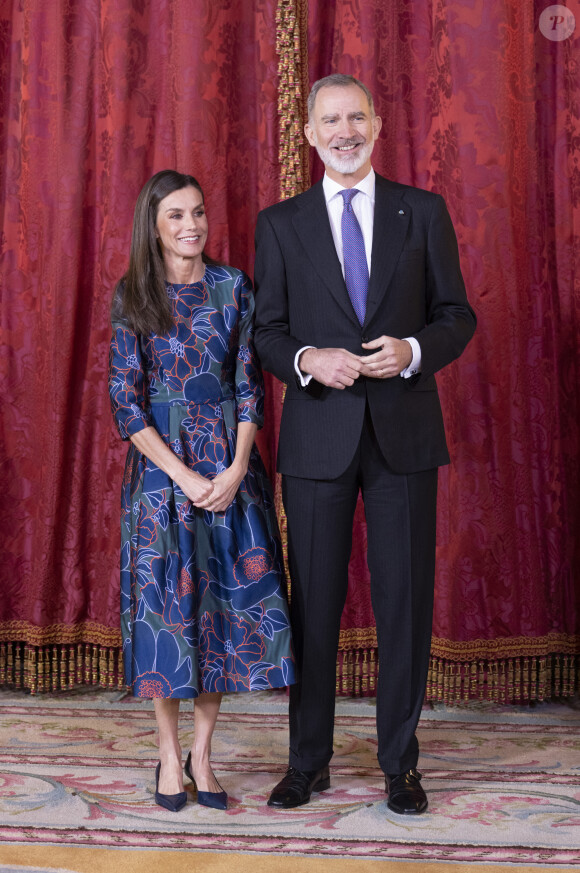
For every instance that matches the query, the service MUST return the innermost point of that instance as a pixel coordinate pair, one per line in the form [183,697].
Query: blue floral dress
[203,604]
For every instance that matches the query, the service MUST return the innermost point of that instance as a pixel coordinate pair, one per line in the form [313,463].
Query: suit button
[365,339]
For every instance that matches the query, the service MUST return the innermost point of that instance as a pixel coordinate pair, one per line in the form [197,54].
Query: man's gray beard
[346,165]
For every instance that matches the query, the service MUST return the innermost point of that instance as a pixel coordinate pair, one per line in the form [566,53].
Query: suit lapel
[391,221]
[313,228]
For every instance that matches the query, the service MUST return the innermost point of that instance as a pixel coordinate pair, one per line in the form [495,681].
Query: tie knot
[347,195]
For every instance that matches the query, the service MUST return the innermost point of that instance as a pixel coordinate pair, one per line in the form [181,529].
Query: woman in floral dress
[203,606]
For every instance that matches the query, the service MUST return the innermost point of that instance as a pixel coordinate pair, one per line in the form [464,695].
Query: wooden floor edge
[72,859]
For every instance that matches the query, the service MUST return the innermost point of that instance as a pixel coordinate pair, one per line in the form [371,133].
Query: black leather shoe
[406,796]
[297,786]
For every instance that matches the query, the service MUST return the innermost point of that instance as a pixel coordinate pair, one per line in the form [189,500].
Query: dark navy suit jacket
[415,289]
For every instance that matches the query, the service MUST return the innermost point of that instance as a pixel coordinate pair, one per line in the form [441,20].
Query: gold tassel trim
[60,667]
[508,680]
[511,680]
[357,673]
[521,679]
[60,634]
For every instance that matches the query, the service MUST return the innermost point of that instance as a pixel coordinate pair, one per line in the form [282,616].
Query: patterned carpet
[76,770]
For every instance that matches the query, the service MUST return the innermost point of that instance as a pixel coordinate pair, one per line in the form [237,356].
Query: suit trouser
[400,516]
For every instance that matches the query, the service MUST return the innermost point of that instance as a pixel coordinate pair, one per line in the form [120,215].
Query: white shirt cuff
[415,365]
[304,378]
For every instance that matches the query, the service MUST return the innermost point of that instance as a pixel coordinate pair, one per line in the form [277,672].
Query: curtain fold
[478,105]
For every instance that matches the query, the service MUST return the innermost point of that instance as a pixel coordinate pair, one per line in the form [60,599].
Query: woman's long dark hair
[140,296]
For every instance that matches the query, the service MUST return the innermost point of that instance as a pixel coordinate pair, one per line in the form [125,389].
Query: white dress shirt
[363,206]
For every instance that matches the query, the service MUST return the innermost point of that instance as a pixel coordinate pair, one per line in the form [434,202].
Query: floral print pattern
[203,603]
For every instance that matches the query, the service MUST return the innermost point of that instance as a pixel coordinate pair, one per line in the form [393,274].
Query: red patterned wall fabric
[477,104]
[480,106]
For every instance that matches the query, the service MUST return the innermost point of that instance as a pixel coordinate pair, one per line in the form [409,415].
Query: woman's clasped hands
[213,495]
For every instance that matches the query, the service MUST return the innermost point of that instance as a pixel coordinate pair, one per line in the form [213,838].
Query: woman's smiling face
[181,225]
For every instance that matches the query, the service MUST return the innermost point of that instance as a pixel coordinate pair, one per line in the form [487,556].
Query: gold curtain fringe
[357,672]
[60,667]
[521,679]
[60,634]
[510,680]
[358,638]
[505,648]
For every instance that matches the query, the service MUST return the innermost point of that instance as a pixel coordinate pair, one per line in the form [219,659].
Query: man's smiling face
[343,130]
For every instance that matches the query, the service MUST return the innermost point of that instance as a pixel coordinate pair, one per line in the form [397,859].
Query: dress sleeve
[249,379]
[127,381]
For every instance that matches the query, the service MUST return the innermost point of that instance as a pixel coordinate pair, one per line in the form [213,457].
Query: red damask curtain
[478,105]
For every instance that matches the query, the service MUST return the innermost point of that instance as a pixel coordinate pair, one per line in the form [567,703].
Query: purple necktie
[356,271]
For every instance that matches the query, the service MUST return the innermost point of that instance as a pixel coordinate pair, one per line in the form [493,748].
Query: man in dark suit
[359,301]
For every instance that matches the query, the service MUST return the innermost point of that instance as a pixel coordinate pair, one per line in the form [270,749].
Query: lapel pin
[401,211]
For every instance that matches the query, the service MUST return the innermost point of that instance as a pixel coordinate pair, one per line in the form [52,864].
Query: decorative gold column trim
[292,51]
[293,150]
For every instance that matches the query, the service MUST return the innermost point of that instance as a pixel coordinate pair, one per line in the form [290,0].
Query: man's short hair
[337,80]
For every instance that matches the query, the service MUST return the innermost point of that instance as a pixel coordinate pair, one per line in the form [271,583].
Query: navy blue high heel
[213,799]
[172,802]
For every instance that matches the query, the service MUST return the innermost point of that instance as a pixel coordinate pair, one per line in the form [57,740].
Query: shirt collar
[366,186]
